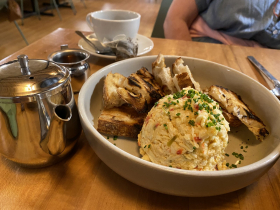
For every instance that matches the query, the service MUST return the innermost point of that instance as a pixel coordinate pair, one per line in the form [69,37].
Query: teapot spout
[57,131]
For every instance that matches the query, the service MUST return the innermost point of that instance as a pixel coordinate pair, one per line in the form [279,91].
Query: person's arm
[179,18]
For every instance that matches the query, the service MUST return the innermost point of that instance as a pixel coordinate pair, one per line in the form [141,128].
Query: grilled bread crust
[111,97]
[150,84]
[183,76]
[232,120]
[136,94]
[235,106]
[121,121]
[163,75]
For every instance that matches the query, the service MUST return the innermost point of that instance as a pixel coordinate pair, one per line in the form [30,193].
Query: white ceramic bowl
[125,160]
[110,23]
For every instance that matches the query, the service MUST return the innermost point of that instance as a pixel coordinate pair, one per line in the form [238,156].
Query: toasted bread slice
[163,75]
[234,105]
[183,76]
[182,80]
[232,120]
[150,84]
[121,121]
[140,90]
[111,97]
[138,102]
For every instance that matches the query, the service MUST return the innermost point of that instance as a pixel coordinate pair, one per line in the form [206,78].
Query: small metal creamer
[75,60]
[39,122]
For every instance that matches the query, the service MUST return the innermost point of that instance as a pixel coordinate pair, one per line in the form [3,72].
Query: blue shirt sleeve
[202,5]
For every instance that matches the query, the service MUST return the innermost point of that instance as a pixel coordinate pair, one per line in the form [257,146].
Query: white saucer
[145,45]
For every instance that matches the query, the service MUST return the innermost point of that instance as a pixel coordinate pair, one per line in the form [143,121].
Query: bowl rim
[272,156]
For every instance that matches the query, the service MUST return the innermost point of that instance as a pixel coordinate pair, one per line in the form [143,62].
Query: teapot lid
[28,78]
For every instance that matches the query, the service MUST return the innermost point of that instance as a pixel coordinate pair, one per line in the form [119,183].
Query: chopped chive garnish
[172,140]
[234,166]
[179,94]
[191,122]
[209,124]
[240,156]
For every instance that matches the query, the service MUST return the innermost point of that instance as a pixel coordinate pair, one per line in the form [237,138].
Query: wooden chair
[37,10]
[56,7]
[17,26]
[83,1]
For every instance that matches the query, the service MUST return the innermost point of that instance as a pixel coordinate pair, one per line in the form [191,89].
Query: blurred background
[35,26]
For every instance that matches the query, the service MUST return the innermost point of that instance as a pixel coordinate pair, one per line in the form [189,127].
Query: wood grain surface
[83,181]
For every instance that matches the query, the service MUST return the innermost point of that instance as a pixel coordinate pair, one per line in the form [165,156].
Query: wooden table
[83,181]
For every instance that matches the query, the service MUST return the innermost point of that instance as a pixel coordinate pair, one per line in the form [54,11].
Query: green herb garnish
[234,166]
[191,122]
[240,156]
[172,140]
[179,94]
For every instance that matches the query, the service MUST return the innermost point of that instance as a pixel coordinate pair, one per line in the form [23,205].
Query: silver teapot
[39,122]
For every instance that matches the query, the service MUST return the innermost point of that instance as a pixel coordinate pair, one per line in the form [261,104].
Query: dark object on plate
[126,49]
[123,48]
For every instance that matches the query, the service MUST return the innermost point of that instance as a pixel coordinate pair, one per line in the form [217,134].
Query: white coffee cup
[110,23]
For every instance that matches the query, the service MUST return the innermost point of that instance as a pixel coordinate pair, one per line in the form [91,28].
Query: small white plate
[145,45]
